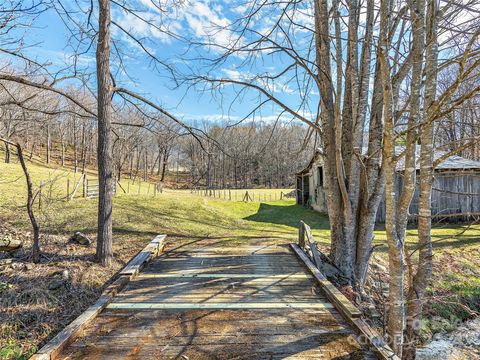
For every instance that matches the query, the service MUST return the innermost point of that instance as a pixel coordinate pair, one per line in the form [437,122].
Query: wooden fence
[90,188]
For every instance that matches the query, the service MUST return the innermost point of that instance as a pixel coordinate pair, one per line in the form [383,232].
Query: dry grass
[33,312]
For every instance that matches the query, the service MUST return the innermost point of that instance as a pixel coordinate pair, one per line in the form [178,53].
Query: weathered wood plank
[197,316]
[215,299]
[151,250]
[192,274]
[238,305]
[331,291]
[319,335]
[246,250]
[332,346]
[234,290]
[168,323]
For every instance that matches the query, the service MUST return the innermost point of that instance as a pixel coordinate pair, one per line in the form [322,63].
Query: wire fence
[250,195]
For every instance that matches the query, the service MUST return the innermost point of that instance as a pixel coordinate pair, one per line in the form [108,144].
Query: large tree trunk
[340,213]
[104,147]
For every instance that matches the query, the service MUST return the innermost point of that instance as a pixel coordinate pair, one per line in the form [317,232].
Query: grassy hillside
[34,312]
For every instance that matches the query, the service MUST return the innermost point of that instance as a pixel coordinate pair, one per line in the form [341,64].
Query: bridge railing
[307,244]
[307,251]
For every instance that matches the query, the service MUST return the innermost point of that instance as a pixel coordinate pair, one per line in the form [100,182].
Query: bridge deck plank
[219,303]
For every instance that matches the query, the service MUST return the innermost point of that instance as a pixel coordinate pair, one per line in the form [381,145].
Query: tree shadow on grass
[289,215]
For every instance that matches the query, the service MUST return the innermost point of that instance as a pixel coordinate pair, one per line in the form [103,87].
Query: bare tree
[30,201]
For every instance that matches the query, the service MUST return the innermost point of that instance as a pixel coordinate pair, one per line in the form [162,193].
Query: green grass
[179,212]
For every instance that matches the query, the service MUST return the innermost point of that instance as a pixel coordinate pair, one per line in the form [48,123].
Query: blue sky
[195,20]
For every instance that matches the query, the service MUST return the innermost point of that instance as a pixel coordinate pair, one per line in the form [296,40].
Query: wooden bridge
[203,302]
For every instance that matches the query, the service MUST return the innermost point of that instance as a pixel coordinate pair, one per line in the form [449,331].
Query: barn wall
[447,197]
[454,193]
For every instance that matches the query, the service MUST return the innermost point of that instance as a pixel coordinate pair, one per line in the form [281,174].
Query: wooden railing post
[306,242]
[301,235]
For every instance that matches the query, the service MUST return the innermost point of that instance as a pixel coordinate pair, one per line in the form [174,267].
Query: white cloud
[210,117]
[203,19]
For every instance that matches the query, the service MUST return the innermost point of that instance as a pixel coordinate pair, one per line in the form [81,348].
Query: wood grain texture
[151,250]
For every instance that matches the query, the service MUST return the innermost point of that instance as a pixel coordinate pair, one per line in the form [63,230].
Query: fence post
[138,186]
[281,195]
[85,185]
[229,194]
[128,187]
[301,235]
[68,188]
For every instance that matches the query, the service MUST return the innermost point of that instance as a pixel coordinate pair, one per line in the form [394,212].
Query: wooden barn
[455,196]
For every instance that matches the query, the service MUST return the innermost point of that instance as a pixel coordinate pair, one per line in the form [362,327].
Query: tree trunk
[7,145]
[49,142]
[104,147]
[7,153]
[62,138]
[84,149]
[164,164]
[395,310]
[419,283]
[30,200]
[31,215]
[75,155]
